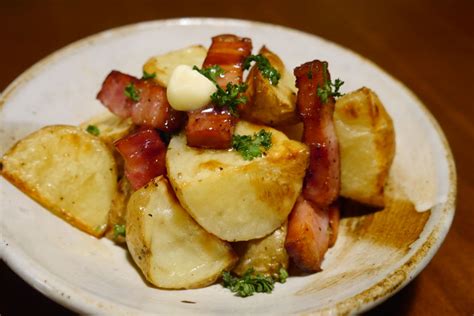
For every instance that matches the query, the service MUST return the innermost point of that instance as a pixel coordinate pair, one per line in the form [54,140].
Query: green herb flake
[248,284]
[132,93]
[147,75]
[92,129]
[328,89]
[211,73]
[282,275]
[254,146]
[264,66]
[119,230]
[231,97]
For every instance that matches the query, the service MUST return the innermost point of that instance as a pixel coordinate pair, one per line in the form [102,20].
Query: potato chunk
[166,243]
[266,255]
[164,65]
[118,210]
[68,171]
[268,104]
[110,127]
[367,145]
[233,198]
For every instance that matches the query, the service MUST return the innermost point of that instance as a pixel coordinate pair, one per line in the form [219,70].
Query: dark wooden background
[428,45]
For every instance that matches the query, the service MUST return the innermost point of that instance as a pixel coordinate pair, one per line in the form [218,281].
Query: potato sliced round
[170,248]
[68,171]
[233,198]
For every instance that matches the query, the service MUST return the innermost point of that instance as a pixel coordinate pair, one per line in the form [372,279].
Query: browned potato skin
[118,211]
[367,146]
[265,255]
[267,104]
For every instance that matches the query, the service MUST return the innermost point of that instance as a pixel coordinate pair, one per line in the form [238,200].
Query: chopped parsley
[254,146]
[92,129]
[119,230]
[147,75]
[132,93]
[230,97]
[251,283]
[282,275]
[264,66]
[211,73]
[329,89]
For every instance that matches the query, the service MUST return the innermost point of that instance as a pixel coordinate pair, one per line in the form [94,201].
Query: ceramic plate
[376,253]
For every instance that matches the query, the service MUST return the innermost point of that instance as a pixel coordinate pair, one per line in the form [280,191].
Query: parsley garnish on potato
[251,283]
[264,66]
[147,75]
[329,89]
[254,146]
[92,129]
[132,93]
[119,230]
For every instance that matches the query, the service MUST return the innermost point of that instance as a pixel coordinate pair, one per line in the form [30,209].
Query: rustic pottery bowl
[377,253]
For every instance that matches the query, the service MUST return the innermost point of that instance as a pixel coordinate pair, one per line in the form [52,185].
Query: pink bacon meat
[151,109]
[322,183]
[313,223]
[144,155]
[213,127]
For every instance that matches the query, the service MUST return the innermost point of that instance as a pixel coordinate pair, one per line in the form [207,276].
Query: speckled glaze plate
[376,253]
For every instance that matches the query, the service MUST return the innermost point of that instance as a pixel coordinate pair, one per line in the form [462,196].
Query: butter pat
[189,90]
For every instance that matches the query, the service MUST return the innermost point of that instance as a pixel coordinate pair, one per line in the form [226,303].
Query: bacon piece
[229,52]
[307,239]
[112,93]
[144,154]
[314,221]
[210,128]
[213,127]
[151,110]
[322,183]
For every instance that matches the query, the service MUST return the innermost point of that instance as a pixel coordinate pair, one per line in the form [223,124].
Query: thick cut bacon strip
[322,181]
[112,94]
[229,52]
[210,128]
[213,127]
[144,154]
[307,239]
[314,221]
[151,109]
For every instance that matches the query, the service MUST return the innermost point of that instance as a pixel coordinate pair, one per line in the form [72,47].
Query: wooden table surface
[428,45]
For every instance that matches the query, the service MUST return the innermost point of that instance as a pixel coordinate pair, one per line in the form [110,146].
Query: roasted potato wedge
[68,171]
[233,198]
[164,65]
[265,255]
[367,145]
[110,127]
[166,243]
[271,105]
